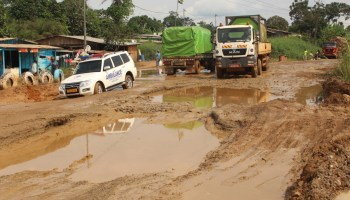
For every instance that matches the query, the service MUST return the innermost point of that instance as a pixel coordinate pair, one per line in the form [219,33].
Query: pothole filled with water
[310,95]
[126,147]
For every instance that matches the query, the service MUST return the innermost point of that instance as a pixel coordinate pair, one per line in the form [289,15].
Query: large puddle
[209,97]
[127,147]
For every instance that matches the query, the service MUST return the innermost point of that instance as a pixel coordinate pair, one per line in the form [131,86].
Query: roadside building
[18,55]
[97,44]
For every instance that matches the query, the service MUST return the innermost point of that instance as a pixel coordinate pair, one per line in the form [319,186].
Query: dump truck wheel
[29,79]
[266,67]
[98,88]
[170,72]
[259,67]
[8,80]
[254,72]
[129,83]
[219,73]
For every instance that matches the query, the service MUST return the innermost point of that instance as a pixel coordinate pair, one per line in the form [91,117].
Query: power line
[144,9]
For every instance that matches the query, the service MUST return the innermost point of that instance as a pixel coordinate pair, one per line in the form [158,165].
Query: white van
[95,76]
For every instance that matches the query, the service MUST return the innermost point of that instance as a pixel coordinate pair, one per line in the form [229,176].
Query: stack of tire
[8,80]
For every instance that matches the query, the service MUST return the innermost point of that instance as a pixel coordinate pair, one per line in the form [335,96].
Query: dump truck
[241,46]
[187,48]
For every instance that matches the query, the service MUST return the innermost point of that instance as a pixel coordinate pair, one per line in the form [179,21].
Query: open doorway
[11,59]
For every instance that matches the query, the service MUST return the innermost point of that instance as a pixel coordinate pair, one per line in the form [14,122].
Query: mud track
[272,145]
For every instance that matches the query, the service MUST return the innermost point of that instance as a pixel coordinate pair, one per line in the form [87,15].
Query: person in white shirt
[35,67]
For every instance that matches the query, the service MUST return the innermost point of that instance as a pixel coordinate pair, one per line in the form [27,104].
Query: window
[108,62]
[125,58]
[117,60]
[234,35]
[88,67]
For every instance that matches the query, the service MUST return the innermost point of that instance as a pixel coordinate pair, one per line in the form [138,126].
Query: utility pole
[183,14]
[215,19]
[177,11]
[85,43]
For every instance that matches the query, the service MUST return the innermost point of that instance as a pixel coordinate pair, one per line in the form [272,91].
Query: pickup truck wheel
[129,83]
[259,67]
[98,88]
[219,73]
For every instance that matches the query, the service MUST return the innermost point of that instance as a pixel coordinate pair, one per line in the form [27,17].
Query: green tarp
[186,41]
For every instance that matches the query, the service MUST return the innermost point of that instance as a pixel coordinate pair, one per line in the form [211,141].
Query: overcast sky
[206,9]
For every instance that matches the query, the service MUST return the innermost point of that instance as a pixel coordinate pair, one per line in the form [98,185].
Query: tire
[259,67]
[98,88]
[46,78]
[266,67]
[8,80]
[219,73]
[197,67]
[172,71]
[29,79]
[254,72]
[129,82]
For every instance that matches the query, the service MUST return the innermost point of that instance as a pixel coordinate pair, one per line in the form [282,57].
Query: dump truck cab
[236,41]
[241,47]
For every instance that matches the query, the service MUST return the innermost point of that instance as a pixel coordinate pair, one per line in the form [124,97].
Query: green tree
[169,21]
[332,31]
[277,22]
[35,29]
[312,20]
[144,24]
[209,26]
[3,13]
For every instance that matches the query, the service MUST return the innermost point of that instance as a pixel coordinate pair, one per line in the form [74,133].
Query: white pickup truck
[98,75]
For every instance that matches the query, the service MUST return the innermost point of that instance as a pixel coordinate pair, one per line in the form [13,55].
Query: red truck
[331,50]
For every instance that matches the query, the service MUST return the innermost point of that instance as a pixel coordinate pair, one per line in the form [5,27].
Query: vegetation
[149,49]
[277,22]
[292,47]
[310,21]
[344,66]
[144,24]
[173,19]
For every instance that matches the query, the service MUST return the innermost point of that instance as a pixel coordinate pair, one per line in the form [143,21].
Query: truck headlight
[85,84]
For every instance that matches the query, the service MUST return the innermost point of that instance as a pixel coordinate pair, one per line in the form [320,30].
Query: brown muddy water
[127,147]
[209,97]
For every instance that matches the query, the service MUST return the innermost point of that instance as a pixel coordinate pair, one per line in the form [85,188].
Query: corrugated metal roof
[9,38]
[96,40]
[27,46]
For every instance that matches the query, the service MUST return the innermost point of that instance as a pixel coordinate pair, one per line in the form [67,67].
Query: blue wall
[27,60]
[43,62]
[2,65]
[14,41]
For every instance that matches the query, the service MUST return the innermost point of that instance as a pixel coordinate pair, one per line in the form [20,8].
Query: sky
[205,10]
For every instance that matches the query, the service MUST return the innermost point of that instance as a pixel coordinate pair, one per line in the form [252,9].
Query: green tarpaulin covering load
[186,41]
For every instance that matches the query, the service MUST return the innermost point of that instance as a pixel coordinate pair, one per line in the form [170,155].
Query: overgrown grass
[292,47]
[344,66]
[149,49]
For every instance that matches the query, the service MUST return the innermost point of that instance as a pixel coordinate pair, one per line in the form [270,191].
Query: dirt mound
[336,91]
[29,93]
[326,173]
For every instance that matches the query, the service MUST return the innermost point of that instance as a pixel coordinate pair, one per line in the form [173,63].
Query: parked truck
[241,46]
[187,48]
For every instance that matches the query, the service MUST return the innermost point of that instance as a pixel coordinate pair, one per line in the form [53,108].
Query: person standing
[158,59]
[34,67]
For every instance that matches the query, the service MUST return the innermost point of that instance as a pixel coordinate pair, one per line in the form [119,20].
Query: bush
[149,49]
[344,66]
[292,47]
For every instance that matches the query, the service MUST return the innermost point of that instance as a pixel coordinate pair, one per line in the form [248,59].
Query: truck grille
[72,85]
[234,52]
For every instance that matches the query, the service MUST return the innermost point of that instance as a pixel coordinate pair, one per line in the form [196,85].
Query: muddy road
[183,137]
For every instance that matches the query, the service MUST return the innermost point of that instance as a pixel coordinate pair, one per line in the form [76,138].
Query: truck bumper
[236,64]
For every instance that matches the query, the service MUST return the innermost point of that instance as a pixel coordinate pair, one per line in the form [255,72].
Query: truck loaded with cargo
[187,48]
[241,46]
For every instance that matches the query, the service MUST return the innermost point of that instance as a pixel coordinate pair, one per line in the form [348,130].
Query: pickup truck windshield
[234,35]
[88,67]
